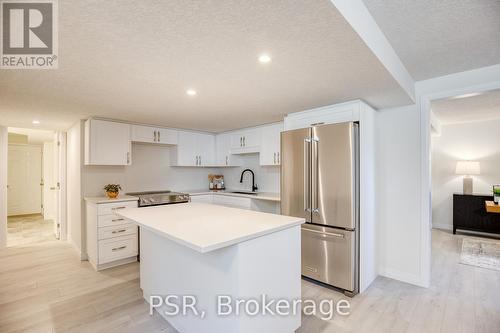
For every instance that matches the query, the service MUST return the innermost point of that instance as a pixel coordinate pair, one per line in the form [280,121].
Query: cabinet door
[270,147]
[143,134]
[252,138]
[186,149]
[236,140]
[107,143]
[203,198]
[166,136]
[205,148]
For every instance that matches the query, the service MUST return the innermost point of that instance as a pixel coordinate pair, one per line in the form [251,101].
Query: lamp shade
[468,168]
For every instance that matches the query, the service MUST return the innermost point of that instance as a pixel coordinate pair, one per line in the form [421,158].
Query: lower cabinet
[111,241]
[258,205]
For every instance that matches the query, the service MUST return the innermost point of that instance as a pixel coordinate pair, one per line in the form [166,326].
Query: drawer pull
[118,231]
[116,220]
[119,248]
[116,208]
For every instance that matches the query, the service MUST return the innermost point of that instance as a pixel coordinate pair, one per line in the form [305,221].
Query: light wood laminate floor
[45,288]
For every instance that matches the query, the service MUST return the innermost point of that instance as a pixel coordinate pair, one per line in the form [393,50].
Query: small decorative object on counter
[210,181]
[112,190]
[496,194]
[219,182]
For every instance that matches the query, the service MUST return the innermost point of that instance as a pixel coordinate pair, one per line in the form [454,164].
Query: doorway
[32,189]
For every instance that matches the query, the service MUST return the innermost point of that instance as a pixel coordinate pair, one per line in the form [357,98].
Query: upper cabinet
[107,143]
[223,156]
[270,153]
[148,134]
[194,149]
[246,141]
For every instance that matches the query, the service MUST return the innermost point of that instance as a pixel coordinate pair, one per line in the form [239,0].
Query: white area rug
[485,254]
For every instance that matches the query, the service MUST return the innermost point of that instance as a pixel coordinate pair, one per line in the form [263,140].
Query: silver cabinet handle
[307,143]
[159,137]
[117,220]
[119,248]
[200,159]
[227,160]
[241,141]
[324,233]
[154,139]
[274,160]
[118,231]
[278,154]
[244,144]
[128,157]
[116,208]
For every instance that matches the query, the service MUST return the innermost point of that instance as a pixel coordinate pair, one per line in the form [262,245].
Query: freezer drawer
[329,256]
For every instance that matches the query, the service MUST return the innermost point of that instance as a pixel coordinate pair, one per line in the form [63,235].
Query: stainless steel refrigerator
[320,182]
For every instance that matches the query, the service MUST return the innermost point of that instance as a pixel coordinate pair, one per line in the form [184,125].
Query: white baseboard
[442,226]
[403,277]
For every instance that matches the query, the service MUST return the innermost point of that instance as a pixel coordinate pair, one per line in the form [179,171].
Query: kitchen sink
[243,192]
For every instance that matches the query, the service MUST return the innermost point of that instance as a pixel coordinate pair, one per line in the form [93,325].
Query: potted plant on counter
[112,190]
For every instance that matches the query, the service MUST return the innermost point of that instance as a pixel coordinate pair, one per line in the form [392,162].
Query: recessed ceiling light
[467,95]
[36,122]
[191,92]
[264,58]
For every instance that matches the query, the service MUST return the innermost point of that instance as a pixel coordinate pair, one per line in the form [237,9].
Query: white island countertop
[204,227]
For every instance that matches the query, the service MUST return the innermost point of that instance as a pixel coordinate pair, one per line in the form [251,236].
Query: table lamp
[468,168]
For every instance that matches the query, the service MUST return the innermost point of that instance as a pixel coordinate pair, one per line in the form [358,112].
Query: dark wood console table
[469,213]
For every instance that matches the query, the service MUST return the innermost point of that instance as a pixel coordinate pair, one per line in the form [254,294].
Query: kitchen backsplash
[151,170]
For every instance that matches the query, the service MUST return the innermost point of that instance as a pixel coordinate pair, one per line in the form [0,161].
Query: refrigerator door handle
[315,174]
[307,147]
[332,234]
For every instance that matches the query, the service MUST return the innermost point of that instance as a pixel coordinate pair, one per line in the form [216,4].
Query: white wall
[74,186]
[3,186]
[477,141]
[398,183]
[266,177]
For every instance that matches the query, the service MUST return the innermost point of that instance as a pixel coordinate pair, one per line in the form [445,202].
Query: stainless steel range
[156,198]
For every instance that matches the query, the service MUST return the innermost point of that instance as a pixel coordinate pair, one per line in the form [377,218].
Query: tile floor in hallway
[45,288]
[26,229]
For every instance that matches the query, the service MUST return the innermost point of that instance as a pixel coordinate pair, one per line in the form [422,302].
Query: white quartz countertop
[103,199]
[205,227]
[269,196]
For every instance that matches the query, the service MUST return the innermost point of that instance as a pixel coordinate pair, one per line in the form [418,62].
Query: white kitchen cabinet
[246,141]
[148,134]
[111,240]
[107,143]
[223,156]
[193,149]
[230,201]
[270,153]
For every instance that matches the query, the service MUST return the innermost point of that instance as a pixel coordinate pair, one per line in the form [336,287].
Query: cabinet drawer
[111,208]
[117,231]
[117,248]
[110,220]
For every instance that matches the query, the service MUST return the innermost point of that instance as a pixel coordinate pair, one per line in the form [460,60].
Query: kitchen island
[206,251]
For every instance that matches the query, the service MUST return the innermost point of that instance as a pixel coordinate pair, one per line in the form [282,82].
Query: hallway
[28,229]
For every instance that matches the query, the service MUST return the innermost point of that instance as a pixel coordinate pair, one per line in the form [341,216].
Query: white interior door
[24,195]
[49,181]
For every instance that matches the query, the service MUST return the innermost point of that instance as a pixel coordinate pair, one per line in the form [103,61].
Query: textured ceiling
[134,60]
[477,108]
[439,37]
